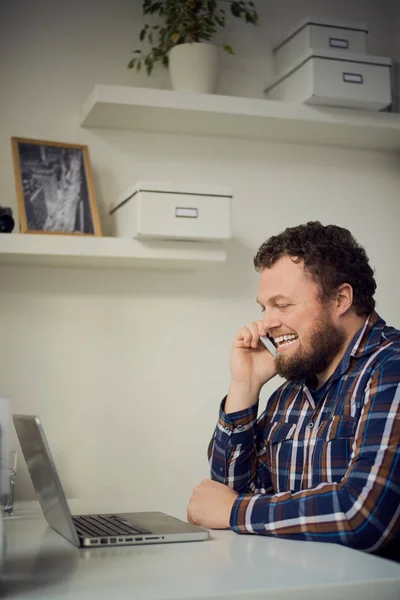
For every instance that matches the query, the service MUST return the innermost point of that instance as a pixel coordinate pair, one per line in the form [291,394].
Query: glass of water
[8,505]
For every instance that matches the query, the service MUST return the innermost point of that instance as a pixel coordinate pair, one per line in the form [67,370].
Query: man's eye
[283,306]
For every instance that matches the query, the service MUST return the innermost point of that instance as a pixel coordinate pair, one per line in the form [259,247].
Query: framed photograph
[55,189]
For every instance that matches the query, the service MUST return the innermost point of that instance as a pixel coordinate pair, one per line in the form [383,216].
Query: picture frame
[54,186]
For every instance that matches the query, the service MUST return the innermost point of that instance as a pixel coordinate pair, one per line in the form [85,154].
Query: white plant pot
[194,67]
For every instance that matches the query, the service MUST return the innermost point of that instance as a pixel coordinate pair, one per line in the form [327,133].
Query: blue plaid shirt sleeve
[236,451]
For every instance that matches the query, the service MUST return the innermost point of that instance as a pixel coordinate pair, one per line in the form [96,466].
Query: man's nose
[271,319]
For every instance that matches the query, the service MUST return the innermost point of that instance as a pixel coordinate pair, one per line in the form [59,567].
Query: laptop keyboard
[99,525]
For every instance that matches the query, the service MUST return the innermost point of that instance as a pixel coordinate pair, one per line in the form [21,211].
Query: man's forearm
[241,395]
[236,434]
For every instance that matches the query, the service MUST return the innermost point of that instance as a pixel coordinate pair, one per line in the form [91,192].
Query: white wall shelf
[154,110]
[85,251]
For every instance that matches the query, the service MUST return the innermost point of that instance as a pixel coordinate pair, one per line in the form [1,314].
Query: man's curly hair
[331,255]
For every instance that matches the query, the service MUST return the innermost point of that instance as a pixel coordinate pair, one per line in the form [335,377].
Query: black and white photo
[54,188]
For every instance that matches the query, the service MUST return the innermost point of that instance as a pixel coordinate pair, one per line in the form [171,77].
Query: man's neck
[351,330]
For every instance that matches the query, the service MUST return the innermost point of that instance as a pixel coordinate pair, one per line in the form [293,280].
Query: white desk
[42,564]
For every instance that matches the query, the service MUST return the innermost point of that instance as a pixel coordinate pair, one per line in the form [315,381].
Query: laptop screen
[44,475]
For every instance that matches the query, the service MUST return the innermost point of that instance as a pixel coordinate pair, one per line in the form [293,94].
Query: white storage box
[359,81]
[321,34]
[156,210]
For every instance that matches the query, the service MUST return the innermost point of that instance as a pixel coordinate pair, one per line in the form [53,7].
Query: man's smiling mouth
[282,341]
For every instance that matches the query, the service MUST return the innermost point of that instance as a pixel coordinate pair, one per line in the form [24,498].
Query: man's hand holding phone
[251,364]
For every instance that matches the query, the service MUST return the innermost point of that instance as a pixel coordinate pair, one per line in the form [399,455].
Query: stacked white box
[321,34]
[325,62]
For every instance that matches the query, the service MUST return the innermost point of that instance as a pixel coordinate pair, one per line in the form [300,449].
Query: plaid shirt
[329,470]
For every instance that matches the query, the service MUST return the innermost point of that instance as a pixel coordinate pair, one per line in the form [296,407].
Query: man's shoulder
[384,359]
[389,349]
[377,340]
[391,335]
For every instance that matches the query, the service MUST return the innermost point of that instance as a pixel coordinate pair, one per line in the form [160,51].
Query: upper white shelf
[166,111]
[87,251]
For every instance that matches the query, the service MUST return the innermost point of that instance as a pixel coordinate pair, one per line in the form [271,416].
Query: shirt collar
[369,337]
[364,342]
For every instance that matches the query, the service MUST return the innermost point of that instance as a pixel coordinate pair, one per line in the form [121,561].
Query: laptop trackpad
[158,522]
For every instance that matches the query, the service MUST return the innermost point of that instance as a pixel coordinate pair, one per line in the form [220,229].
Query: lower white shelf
[103,252]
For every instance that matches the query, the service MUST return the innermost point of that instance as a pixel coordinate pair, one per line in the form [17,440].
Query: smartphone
[268,344]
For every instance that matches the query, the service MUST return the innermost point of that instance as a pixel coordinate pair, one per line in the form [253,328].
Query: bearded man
[322,462]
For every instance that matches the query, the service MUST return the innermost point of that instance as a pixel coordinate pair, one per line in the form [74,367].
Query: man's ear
[344,298]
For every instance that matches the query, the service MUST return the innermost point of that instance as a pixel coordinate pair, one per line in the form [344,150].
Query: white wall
[127,369]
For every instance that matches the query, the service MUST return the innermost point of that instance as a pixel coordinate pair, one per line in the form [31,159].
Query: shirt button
[221,469]
[240,428]
[310,425]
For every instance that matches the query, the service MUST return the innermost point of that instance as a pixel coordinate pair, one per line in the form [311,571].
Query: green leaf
[148,63]
[228,49]
[155,8]
[131,63]
[146,6]
[235,9]
[149,6]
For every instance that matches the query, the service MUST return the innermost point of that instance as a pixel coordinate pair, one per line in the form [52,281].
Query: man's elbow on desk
[216,506]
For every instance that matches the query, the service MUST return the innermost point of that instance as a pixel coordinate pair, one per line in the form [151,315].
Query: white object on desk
[41,564]
[171,211]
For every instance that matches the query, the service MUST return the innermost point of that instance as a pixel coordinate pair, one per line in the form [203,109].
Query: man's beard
[320,348]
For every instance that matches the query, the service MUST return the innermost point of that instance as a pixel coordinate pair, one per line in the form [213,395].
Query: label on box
[339,43]
[186,213]
[353,78]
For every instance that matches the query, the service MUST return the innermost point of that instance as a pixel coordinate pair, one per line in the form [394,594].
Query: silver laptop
[91,530]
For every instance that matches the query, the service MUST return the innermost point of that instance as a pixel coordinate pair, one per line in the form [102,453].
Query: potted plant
[182,41]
